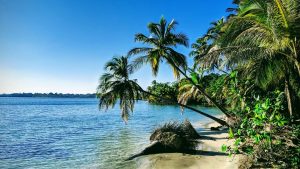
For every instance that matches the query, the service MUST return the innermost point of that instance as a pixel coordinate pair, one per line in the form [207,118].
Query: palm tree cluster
[162,43]
[116,85]
[256,49]
[258,39]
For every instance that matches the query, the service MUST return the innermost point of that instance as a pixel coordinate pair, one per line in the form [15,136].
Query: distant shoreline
[50,95]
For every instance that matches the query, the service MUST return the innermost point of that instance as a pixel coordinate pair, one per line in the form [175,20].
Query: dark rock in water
[172,137]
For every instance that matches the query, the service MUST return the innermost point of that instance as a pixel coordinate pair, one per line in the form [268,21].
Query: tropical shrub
[266,134]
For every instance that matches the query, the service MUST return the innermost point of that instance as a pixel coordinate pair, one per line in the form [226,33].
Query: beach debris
[172,137]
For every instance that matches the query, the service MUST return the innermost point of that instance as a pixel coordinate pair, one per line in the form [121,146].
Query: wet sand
[208,156]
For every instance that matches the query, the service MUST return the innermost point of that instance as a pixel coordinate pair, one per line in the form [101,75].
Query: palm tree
[271,31]
[115,84]
[262,27]
[162,41]
[233,10]
[187,91]
[263,35]
[268,73]
[265,28]
[206,44]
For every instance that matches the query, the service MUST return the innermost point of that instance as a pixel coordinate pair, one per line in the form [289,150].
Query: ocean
[46,133]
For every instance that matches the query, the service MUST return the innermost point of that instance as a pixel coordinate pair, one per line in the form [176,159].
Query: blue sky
[62,45]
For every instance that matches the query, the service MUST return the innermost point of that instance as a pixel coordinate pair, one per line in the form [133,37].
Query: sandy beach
[209,156]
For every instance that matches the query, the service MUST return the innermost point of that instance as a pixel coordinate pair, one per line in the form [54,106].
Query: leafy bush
[266,134]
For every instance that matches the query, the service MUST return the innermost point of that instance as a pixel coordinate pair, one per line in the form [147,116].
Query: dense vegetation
[182,92]
[162,89]
[257,50]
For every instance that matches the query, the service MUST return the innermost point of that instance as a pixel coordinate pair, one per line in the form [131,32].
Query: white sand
[210,158]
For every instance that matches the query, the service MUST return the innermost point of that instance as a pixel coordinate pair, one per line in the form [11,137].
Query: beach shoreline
[210,156]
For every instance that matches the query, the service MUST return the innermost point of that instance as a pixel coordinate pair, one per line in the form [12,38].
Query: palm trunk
[222,122]
[297,63]
[223,110]
[288,97]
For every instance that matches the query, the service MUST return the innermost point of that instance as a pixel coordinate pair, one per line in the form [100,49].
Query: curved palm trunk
[204,93]
[297,63]
[222,122]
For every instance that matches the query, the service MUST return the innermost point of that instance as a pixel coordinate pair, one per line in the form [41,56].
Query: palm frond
[162,41]
[135,51]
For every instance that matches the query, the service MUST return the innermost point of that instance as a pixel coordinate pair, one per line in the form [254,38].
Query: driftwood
[154,148]
[172,137]
[158,148]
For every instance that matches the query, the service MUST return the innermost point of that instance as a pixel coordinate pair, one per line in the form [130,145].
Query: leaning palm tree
[187,92]
[161,44]
[116,85]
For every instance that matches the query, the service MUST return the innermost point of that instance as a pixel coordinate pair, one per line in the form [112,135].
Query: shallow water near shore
[73,133]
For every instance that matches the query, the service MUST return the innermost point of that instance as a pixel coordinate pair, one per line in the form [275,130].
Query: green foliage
[264,132]
[165,90]
[224,148]
[195,77]
[211,83]
[231,135]
[258,40]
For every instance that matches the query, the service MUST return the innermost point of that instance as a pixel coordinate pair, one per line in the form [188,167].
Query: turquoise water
[73,133]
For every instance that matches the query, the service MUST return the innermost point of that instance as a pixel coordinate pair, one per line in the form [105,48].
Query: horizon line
[42,93]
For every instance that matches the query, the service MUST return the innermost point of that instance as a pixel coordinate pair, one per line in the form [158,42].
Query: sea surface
[46,133]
